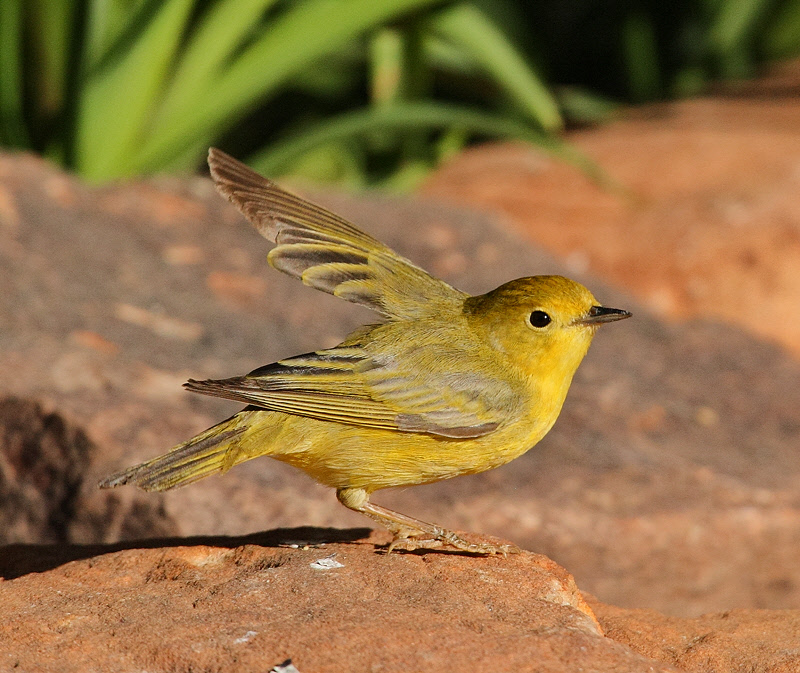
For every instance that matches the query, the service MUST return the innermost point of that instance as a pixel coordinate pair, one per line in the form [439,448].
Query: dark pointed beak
[601,314]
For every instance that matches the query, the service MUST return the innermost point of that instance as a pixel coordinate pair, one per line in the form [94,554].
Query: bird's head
[540,323]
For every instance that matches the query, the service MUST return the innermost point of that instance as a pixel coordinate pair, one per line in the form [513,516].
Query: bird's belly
[345,456]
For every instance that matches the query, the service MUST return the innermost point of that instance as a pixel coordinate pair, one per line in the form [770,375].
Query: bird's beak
[600,314]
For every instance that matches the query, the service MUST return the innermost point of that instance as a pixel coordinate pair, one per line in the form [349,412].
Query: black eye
[539,319]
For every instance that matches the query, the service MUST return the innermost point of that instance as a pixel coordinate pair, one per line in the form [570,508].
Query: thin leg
[410,533]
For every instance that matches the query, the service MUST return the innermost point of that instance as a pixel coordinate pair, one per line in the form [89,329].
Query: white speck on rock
[246,637]
[326,563]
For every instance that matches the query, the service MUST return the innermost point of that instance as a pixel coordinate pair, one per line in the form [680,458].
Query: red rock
[43,464]
[734,641]
[249,604]
[330,601]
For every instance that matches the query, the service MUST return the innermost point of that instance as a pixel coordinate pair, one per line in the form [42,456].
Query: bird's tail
[215,450]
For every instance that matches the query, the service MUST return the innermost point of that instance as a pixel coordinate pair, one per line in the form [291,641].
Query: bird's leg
[410,533]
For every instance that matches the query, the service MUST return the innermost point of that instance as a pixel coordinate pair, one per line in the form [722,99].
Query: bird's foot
[410,533]
[410,540]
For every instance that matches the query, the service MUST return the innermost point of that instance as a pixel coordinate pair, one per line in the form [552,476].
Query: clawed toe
[409,542]
[410,533]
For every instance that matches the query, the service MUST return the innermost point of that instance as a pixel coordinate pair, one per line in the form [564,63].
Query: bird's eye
[539,319]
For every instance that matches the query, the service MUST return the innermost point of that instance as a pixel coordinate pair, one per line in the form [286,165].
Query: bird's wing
[347,385]
[327,252]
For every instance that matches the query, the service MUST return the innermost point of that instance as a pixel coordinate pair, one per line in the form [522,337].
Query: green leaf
[734,22]
[294,40]
[107,21]
[386,66]
[212,45]
[466,26]
[641,57]
[53,33]
[730,32]
[339,163]
[12,115]
[781,38]
[414,116]
[119,93]
[584,107]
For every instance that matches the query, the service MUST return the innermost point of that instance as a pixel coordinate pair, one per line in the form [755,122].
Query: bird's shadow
[20,559]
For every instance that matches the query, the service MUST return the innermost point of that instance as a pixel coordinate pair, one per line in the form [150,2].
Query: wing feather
[327,252]
[346,385]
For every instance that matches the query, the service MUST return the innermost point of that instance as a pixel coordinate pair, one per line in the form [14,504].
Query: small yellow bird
[448,384]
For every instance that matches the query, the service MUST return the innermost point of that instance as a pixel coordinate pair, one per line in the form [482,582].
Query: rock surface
[329,605]
[739,641]
[331,602]
[43,465]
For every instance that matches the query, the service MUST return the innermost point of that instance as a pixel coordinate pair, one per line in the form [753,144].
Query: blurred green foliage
[356,91]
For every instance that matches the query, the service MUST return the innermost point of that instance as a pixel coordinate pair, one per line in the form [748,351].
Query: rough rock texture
[330,602]
[672,479]
[707,220]
[42,461]
[249,604]
[739,641]
[43,464]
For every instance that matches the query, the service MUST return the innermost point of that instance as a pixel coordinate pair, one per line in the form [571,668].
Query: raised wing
[349,385]
[327,252]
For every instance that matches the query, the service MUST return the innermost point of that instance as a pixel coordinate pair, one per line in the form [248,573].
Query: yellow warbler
[448,384]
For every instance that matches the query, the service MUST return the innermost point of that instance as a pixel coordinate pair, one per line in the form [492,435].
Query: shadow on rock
[20,559]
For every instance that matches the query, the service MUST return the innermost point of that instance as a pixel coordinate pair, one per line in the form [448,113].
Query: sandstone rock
[43,463]
[330,600]
[307,595]
[733,641]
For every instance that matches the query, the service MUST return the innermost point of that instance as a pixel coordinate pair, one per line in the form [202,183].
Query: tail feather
[211,451]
